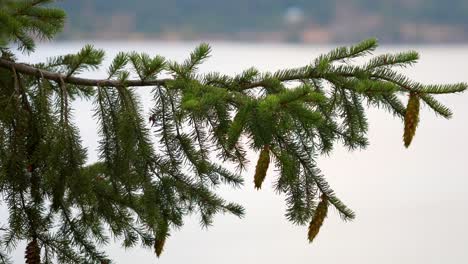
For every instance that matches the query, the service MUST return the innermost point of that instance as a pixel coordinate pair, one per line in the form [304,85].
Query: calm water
[412,205]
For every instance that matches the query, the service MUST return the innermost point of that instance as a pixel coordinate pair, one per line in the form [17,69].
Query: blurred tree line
[214,16]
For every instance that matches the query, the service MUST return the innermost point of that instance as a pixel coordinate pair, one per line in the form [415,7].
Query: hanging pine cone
[159,246]
[33,253]
[262,166]
[411,118]
[319,216]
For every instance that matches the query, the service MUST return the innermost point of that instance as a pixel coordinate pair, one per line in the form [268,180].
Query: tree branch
[33,71]
[58,77]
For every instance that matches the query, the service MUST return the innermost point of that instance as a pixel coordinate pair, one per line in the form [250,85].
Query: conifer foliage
[152,174]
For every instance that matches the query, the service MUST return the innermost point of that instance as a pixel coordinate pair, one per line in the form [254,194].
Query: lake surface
[411,204]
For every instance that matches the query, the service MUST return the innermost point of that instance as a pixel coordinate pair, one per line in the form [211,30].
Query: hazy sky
[411,204]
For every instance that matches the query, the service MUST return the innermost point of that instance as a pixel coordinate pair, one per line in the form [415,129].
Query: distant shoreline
[247,41]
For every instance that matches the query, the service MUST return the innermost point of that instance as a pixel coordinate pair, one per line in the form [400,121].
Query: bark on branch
[54,76]
[58,77]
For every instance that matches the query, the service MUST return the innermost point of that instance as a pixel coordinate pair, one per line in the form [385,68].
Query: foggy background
[411,204]
[308,21]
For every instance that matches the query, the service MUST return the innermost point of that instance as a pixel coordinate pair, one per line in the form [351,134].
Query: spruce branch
[54,76]
[148,177]
[305,73]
